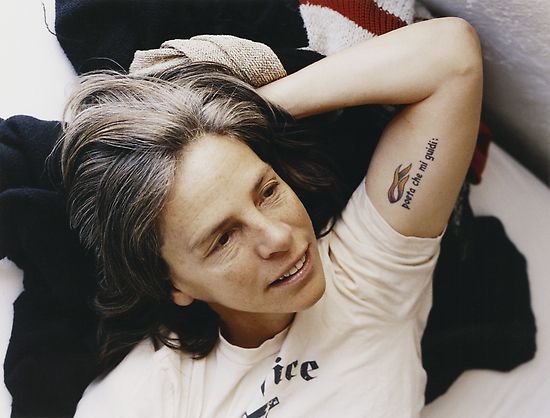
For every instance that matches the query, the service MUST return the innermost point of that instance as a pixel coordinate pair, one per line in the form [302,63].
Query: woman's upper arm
[422,158]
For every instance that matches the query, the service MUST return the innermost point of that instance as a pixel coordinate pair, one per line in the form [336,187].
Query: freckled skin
[269,230]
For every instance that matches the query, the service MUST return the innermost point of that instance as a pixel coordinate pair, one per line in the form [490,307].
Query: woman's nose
[272,237]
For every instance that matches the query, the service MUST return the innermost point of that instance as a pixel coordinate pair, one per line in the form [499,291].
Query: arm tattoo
[400,177]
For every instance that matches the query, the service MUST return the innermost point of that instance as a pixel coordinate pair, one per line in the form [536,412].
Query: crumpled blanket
[481,315]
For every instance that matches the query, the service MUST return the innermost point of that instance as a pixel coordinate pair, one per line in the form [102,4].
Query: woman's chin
[315,289]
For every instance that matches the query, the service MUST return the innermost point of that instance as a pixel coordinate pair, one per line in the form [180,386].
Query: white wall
[515,35]
[35,75]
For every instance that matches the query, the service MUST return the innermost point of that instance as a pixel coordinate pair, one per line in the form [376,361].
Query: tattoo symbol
[400,178]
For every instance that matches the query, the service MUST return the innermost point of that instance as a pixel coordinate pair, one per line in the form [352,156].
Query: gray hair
[118,157]
[119,154]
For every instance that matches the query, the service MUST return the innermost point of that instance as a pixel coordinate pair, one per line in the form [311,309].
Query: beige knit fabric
[251,61]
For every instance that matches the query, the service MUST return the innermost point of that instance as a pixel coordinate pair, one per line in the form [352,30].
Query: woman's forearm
[401,67]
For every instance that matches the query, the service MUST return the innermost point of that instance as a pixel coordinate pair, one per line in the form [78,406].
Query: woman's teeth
[294,269]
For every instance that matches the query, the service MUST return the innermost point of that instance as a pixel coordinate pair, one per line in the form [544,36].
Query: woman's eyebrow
[260,178]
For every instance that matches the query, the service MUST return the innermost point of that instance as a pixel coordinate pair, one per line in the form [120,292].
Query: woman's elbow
[463,46]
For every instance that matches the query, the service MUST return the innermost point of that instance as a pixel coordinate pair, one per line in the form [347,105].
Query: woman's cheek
[299,213]
[235,270]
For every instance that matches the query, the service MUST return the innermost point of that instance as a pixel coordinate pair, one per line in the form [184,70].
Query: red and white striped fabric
[332,25]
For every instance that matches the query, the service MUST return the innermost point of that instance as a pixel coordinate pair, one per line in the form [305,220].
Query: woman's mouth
[297,272]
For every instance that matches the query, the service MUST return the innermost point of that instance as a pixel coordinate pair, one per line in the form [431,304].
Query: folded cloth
[252,62]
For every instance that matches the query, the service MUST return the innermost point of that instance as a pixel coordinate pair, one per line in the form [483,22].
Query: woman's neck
[250,329]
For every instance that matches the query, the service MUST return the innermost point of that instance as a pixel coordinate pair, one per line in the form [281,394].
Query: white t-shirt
[355,353]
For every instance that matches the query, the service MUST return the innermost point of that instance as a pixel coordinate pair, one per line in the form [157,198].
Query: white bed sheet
[35,77]
[512,194]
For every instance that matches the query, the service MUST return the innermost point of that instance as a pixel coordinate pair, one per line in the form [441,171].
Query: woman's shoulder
[361,224]
[369,263]
[119,393]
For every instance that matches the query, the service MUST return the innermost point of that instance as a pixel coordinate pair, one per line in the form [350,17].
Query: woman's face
[236,236]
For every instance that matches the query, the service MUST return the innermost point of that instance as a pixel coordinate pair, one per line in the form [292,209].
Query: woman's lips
[297,276]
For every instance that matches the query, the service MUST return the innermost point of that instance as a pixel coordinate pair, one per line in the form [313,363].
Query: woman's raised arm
[421,160]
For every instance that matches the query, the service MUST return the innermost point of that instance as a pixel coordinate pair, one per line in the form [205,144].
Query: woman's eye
[223,239]
[221,243]
[269,191]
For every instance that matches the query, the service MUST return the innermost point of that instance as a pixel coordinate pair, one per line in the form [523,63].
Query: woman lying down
[236,304]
